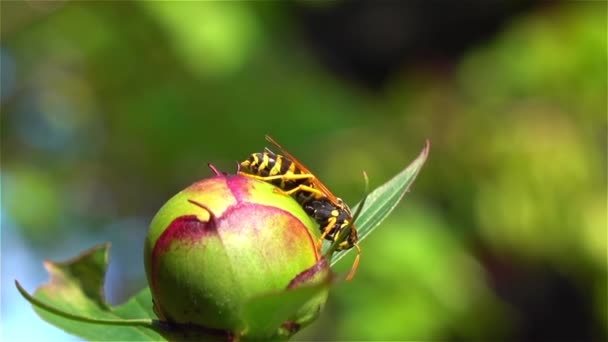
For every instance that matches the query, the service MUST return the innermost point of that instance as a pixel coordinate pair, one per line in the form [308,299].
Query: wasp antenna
[360,208]
[344,230]
[366,179]
[362,202]
[212,217]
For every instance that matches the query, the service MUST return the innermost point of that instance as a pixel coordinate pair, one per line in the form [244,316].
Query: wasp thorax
[222,241]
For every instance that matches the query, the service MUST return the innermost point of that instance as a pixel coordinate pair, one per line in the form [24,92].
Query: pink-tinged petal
[222,241]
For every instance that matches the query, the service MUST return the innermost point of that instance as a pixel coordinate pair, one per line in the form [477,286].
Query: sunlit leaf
[73,300]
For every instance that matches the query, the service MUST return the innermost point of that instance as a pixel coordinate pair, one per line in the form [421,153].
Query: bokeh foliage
[109,108]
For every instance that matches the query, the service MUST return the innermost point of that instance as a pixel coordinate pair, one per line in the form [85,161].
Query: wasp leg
[315,192]
[353,269]
[326,231]
[320,241]
[283,177]
[304,198]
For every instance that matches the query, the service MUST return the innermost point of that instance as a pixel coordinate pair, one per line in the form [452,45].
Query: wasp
[332,219]
[279,171]
[293,178]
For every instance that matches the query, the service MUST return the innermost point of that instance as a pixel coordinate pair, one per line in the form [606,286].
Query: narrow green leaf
[381,202]
[73,301]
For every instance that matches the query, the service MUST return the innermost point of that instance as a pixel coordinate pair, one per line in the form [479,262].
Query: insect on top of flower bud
[222,241]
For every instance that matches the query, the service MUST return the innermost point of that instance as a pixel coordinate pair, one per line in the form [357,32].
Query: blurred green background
[110,108]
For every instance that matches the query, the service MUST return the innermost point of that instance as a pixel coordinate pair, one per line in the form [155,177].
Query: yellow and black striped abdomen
[268,164]
[258,164]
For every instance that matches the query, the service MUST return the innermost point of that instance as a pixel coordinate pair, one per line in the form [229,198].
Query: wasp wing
[304,169]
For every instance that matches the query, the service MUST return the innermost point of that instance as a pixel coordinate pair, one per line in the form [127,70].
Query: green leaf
[73,300]
[265,314]
[381,202]
[280,315]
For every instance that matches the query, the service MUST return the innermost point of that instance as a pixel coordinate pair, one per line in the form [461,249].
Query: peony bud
[225,240]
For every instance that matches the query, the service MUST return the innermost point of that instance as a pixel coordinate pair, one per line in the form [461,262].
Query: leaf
[381,202]
[265,314]
[73,300]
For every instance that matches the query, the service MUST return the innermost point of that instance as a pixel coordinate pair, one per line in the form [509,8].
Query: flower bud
[222,241]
